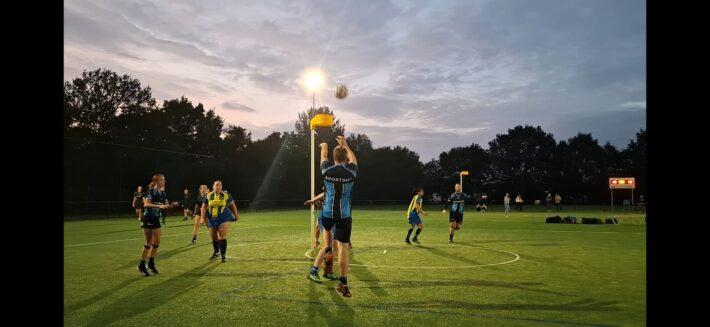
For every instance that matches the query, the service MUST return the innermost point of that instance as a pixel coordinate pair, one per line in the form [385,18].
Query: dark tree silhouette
[116,137]
[93,100]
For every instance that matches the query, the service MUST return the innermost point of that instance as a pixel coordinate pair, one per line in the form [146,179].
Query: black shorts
[456,216]
[151,222]
[342,228]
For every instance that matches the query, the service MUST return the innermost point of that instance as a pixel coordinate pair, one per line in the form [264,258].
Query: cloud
[427,141]
[452,72]
[236,106]
[634,104]
[269,83]
[616,127]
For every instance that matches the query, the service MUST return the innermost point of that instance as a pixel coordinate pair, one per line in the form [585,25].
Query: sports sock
[151,261]
[194,237]
[419,230]
[344,280]
[223,247]
[142,264]
[215,245]
[451,237]
[409,233]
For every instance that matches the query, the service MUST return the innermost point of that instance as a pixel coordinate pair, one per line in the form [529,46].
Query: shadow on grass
[102,295]
[305,260]
[522,286]
[552,262]
[445,254]
[150,297]
[363,274]
[319,309]
[345,314]
[117,231]
[587,304]
[163,255]
[433,308]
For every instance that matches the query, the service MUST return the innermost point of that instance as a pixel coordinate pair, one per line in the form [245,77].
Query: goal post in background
[320,120]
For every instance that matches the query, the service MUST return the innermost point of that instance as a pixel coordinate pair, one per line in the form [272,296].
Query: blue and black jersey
[457,200]
[155,196]
[199,200]
[338,181]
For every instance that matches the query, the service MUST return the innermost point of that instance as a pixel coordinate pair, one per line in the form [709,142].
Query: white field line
[523,230]
[164,236]
[517,257]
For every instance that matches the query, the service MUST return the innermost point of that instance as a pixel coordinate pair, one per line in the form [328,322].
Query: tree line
[116,136]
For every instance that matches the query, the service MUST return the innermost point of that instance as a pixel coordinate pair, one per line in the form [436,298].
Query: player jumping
[415,208]
[456,204]
[338,180]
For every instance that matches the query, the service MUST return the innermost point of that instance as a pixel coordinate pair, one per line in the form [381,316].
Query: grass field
[499,272]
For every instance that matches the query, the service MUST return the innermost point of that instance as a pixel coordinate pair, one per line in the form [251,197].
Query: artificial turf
[498,272]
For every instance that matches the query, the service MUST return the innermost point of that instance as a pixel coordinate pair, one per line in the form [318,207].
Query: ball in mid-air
[341,91]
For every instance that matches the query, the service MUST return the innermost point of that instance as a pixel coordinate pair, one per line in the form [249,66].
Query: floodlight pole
[313,177]
[313,186]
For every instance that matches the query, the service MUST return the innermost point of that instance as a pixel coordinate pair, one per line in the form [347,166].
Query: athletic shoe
[451,241]
[407,241]
[152,269]
[344,290]
[315,278]
[415,240]
[143,271]
[214,256]
[330,276]
[224,259]
[193,242]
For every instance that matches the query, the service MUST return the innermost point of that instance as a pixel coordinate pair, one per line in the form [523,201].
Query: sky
[428,75]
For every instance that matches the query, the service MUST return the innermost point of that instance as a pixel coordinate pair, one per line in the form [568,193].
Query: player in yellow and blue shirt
[219,210]
[415,208]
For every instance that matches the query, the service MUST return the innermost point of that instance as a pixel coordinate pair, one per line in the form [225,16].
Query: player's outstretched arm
[420,210]
[147,203]
[344,144]
[447,204]
[323,152]
[316,198]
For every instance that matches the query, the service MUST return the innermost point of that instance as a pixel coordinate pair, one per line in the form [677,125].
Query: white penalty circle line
[517,257]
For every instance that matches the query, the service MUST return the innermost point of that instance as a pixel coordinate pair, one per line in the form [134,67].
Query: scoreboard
[622,182]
